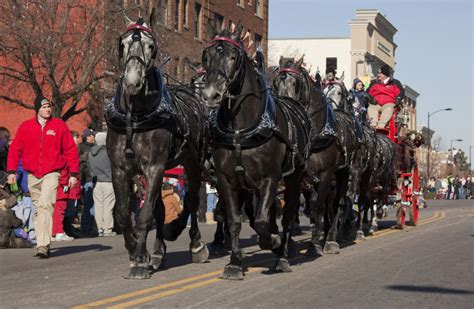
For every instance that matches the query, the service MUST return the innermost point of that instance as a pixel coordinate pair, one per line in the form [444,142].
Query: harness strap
[239,168]
[129,153]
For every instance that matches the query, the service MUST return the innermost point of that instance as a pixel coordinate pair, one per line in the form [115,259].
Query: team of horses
[260,130]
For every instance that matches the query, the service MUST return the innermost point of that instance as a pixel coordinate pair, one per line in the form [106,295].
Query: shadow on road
[76,249]
[427,289]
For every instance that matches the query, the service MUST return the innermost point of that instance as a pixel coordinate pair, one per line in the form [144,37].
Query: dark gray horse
[256,142]
[334,151]
[153,127]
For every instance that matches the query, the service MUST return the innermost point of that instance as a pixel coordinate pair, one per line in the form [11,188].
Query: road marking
[175,291]
[437,216]
[148,290]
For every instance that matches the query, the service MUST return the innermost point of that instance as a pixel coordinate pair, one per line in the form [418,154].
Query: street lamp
[470,162]
[452,157]
[429,138]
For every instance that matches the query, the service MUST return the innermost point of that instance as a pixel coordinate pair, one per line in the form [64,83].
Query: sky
[434,54]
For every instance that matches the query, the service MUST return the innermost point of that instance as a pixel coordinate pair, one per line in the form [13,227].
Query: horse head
[293,80]
[223,59]
[337,94]
[137,52]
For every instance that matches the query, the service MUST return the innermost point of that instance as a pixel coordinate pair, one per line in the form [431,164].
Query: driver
[386,91]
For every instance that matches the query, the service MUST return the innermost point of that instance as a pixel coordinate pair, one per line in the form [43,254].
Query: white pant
[385,111]
[104,200]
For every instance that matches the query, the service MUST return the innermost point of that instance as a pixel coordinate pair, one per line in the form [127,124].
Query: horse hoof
[331,247]
[156,262]
[374,228]
[283,266]
[138,272]
[360,235]
[200,254]
[314,250]
[232,272]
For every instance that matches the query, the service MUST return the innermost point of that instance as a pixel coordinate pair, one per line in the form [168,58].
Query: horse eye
[151,46]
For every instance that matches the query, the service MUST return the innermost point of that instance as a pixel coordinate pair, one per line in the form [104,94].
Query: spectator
[72,199]
[449,180]
[4,145]
[87,220]
[10,225]
[45,147]
[211,202]
[104,197]
[172,207]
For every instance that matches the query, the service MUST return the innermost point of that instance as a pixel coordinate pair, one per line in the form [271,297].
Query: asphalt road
[430,265]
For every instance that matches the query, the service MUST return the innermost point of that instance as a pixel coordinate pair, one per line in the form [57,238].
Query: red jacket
[73,193]
[43,150]
[386,93]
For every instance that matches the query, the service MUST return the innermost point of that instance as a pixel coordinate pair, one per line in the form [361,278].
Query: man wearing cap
[45,147]
[87,220]
[387,91]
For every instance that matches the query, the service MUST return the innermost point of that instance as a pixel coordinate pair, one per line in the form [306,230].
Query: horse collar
[250,137]
[120,119]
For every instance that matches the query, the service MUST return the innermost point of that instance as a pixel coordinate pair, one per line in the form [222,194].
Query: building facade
[181,30]
[369,45]
[182,27]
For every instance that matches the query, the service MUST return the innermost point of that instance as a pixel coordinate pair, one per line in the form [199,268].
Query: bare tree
[55,47]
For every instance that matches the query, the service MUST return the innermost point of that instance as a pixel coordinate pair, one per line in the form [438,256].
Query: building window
[163,12]
[197,21]
[331,63]
[258,8]
[185,13]
[258,40]
[219,19]
[240,3]
[176,15]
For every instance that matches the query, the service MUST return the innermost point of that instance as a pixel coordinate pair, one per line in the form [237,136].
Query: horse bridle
[137,30]
[299,76]
[231,82]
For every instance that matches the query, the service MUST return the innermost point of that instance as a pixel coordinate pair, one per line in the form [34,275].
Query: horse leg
[140,265]
[159,248]
[331,246]
[292,201]
[122,210]
[318,209]
[198,248]
[233,270]
[266,197]
[217,247]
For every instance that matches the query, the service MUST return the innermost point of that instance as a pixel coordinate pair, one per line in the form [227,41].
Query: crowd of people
[55,187]
[451,188]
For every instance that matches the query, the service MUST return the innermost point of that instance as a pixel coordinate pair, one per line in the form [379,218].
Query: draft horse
[256,141]
[334,151]
[152,127]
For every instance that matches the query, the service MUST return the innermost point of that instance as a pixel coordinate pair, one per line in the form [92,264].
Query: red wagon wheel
[414,198]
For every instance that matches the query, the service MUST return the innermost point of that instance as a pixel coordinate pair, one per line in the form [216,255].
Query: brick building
[181,30]
[182,26]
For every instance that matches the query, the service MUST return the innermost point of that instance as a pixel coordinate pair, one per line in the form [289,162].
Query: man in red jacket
[387,91]
[45,147]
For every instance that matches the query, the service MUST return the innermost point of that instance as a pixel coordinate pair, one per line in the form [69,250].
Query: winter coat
[172,207]
[99,164]
[43,150]
[386,93]
[84,149]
